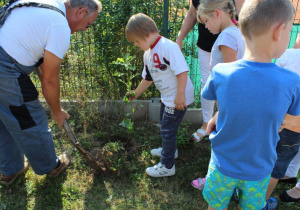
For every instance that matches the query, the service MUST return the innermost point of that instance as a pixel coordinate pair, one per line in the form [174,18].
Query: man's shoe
[64,160]
[157,152]
[8,180]
[160,170]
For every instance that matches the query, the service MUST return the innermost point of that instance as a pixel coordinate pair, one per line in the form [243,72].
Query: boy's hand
[131,95]
[212,124]
[282,126]
[180,103]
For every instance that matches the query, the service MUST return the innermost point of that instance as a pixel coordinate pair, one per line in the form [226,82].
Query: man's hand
[60,117]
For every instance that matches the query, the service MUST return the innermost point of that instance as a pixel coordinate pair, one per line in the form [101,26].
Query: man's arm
[51,87]
[187,24]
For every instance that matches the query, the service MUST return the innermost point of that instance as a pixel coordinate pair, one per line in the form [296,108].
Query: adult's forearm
[51,92]
[187,24]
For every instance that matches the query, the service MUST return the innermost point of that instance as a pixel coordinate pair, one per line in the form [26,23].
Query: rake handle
[73,139]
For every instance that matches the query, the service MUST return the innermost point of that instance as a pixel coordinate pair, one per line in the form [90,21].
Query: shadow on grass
[48,194]
[134,189]
[10,193]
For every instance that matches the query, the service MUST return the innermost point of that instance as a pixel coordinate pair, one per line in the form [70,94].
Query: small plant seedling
[128,96]
[114,156]
[131,94]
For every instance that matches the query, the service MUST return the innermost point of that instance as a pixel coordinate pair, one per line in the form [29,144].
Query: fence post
[166,19]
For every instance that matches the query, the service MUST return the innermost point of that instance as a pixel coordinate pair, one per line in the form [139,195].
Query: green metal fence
[99,62]
[90,70]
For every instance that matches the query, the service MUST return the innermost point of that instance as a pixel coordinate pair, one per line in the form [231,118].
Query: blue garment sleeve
[294,109]
[209,92]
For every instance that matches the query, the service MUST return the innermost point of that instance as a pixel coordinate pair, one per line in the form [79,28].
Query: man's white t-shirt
[162,62]
[230,37]
[29,31]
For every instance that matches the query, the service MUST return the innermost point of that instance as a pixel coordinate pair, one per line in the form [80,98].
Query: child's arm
[229,55]
[297,43]
[212,124]
[180,102]
[291,123]
[140,89]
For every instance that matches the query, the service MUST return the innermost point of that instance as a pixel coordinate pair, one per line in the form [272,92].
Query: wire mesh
[89,69]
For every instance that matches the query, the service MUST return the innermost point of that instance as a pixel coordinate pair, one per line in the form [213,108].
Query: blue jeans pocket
[287,148]
[170,112]
[289,141]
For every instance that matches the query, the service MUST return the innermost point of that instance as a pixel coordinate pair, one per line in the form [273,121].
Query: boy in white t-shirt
[164,64]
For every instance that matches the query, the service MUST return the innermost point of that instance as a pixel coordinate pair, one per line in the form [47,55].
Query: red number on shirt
[156,60]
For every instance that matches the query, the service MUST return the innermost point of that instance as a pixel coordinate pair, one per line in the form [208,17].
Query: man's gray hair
[90,5]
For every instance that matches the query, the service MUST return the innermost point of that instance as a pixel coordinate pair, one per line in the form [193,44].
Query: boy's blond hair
[206,7]
[257,16]
[140,26]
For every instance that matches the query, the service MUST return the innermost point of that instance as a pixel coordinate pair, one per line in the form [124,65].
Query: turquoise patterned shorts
[219,189]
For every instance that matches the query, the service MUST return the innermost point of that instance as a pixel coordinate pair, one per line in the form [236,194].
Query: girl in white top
[219,16]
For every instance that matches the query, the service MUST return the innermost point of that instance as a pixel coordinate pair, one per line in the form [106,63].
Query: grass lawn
[81,187]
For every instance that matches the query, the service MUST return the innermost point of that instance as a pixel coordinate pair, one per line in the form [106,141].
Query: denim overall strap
[4,12]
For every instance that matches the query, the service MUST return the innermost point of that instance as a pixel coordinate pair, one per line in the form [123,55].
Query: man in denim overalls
[31,37]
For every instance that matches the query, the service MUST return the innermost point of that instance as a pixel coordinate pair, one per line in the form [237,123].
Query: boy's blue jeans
[287,148]
[170,119]
[23,121]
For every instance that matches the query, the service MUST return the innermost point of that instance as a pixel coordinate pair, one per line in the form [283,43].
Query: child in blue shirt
[253,96]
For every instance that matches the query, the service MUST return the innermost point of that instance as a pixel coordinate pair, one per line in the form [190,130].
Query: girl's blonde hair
[141,26]
[206,7]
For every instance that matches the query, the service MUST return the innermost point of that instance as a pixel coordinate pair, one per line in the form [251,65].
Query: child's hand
[180,103]
[131,95]
[212,124]
[282,126]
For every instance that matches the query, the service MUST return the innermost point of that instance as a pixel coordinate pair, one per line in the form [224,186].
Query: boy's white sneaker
[160,170]
[157,152]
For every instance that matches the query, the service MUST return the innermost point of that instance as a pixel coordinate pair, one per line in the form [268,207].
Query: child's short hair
[206,7]
[141,26]
[257,16]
